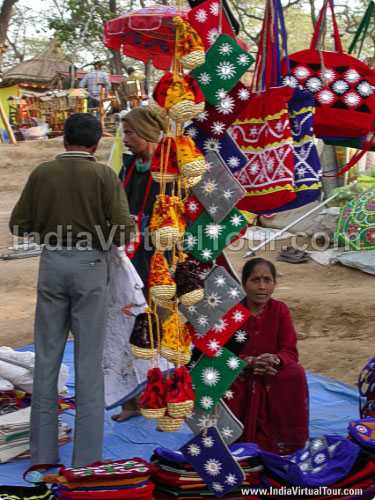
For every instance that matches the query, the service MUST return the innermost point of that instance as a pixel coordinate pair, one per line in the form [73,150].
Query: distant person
[131,88]
[70,81]
[270,396]
[94,82]
[75,206]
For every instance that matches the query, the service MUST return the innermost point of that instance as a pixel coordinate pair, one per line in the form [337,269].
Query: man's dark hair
[82,129]
[130,69]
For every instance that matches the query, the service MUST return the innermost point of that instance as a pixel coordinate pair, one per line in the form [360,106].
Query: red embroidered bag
[340,84]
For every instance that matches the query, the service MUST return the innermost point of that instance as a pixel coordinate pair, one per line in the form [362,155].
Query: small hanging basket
[170,424]
[142,353]
[165,237]
[153,413]
[191,181]
[162,293]
[185,110]
[165,177]
[191,298]
[193,59]
[156,108]
[193,169]
[180,409]
[175,357]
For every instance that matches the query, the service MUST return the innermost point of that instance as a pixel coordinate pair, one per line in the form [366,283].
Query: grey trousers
[72,295]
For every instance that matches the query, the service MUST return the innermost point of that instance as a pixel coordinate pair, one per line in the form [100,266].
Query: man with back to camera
[94,81]
[77,206]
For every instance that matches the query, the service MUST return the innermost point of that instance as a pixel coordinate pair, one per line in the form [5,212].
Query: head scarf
[145,123]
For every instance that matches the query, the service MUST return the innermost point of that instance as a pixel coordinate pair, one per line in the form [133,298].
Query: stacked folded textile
[176,479]
[120,479]
[14,434]
[328,466]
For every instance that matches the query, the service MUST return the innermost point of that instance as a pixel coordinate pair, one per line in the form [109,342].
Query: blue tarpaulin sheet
[332,406]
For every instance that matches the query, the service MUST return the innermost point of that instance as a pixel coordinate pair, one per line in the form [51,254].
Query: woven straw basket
[180,409]
[193,59]
[170,424]
[191,298]
[191,181]
[174,356]
[159,177]
[156,108]
[153,412]
[193,168]
[162,293]
[185,110]
[141,352]
[165,237]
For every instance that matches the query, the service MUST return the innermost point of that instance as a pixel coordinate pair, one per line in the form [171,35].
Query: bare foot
[125,415]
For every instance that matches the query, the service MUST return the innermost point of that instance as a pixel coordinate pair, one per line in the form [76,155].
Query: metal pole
[291,224]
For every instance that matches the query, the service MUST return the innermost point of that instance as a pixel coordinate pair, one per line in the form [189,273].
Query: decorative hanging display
[163,166]
[180,397]
[152,403]
[175,340]
[193,207]
[221,293]
[177,96]
[164,225]
[190,160]
[190,50]
[225,63]
[160,283]
[189,284]
[218,191]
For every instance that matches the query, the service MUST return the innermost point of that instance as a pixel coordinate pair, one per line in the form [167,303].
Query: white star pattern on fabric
[233,363]
[217,128]
[213,300]
[236,220]
[325,96]
[213,345]
[313,84]
[227,194]
[212,209]
[209,186]
[215,8]
[243,94]
[205,422]
[217,487]
[191,241]
[290,81]
[212,35]
[328,75]
[194,450]
[240,336]
[204,78]
[201,16]
[220,281]
[231,479]
[238,316]
[340,87]
[192,132]
[225,70]
[233,162]
[191,415]
[229,394]
[220,94]
[234,293]
[364,89]
[352,99]
[254,168]
[319,458]
[213,466]
[206,402]
[225,49]
[202,320]
[200,335]
[227,432]
[192,206]
[243,59]
[202,116]
[211,145]
[226,106]
[270,162]
[301,72]
[192,309]
[210,376]
[220,326]
[352,76]
[219,353]
[207,442]
[213,230]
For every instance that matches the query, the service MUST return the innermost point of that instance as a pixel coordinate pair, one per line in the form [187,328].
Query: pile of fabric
[117,479]
[176,479]
[14,434]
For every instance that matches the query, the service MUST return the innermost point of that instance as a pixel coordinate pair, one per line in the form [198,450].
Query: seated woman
[270,396]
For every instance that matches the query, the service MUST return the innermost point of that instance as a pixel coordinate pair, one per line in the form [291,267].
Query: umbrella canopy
[144,33]
[356,223]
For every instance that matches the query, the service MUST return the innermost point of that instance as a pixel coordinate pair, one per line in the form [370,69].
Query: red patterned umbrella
[144,33]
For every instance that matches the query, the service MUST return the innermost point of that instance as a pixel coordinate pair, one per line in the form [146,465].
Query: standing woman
[270,396]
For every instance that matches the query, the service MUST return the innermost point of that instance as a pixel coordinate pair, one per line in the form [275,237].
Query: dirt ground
[332,307]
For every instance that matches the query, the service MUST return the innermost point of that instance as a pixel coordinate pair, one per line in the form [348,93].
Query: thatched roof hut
[38,70]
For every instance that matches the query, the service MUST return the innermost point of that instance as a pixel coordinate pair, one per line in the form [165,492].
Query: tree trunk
[5,15]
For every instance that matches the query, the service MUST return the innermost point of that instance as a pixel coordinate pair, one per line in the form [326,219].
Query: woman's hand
[265,364]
